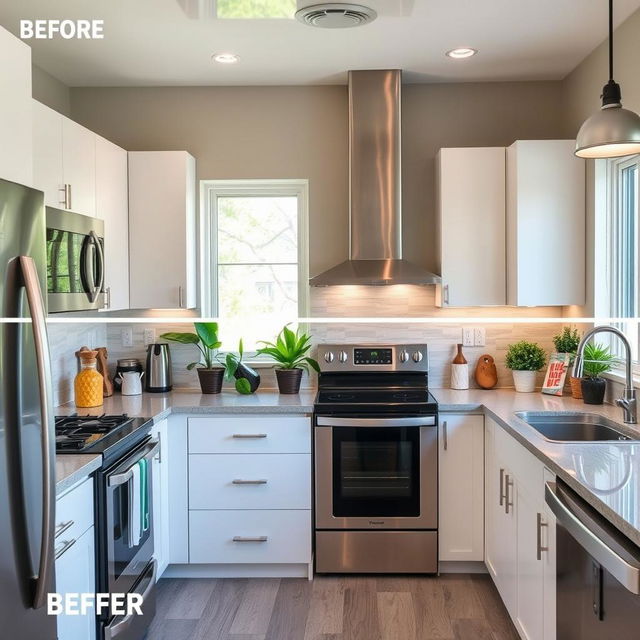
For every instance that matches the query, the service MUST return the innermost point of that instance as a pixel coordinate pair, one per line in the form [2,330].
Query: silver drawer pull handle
[254,539]
[239,481]
[539,548]
[508,484]
[62,527]
[67,544]
[249,435]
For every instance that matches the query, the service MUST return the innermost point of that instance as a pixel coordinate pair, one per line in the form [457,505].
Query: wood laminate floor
[451,607]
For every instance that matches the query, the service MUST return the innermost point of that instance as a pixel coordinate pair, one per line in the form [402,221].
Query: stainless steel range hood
[375,213]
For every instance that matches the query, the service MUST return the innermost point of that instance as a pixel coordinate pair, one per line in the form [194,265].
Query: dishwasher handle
[582,526]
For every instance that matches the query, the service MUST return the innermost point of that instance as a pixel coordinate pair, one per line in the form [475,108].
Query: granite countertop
[73,468]
[606,475]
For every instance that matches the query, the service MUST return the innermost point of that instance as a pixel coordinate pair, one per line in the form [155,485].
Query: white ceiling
[156,42]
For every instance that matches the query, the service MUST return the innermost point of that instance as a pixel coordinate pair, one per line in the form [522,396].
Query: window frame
[210,191]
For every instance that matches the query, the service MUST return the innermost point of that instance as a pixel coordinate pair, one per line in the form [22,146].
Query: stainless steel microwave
[75,261]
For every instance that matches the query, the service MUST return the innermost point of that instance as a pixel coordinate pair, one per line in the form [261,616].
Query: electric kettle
[158,378]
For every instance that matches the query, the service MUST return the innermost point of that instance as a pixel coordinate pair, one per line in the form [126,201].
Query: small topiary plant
[567,341]
[525,356]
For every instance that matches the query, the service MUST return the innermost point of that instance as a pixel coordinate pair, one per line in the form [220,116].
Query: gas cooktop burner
[79,432]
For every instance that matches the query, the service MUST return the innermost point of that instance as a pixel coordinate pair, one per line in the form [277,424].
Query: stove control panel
[401,357]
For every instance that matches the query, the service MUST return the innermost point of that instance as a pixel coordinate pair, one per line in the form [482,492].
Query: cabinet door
[79,166]
[461,503]
[471,215]
[160,471]
[16,157]
[112,206]
[530,618]
[162,229]
[75,573]
[549,562]
[47,154]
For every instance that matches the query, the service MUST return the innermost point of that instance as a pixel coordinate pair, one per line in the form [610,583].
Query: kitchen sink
[575,427]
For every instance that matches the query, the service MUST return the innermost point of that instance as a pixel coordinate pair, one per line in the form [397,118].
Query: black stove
[105,434]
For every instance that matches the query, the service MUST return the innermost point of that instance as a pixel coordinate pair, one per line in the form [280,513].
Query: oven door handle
[426,421]
[120,625]
[584,530]
[150,450]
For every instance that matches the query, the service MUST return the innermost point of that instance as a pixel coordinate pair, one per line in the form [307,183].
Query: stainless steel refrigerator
[27,440]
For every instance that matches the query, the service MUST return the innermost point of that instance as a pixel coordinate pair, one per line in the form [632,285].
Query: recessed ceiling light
[225,58]
[461,52]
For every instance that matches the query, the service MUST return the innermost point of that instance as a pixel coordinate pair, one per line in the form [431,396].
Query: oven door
[129,518]
[75,261]
[376,473]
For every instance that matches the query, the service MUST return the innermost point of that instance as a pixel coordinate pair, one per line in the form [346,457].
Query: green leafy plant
[597,359]
[567,341]
[525,356]
[232,362]
[290,350]
[205,338]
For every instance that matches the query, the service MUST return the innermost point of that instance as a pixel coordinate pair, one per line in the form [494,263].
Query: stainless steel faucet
[628,401]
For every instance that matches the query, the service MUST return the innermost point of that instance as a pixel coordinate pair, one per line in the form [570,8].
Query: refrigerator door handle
[39,327]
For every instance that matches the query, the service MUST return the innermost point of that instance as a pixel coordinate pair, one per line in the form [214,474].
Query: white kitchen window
[618,248]
[255,257]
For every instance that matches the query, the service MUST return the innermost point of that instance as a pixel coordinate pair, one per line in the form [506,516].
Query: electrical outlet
[479,337]
[467,336]
[126,337]
[149,336]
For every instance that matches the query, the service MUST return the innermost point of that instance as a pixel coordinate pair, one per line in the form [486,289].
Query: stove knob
[328,357]
[417,356]
[343,357]
[404,355]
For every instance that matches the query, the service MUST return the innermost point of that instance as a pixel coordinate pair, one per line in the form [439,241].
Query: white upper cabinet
[79,166]
[162,229]
[16,158]
[112,206]
[64,161]
[545,224]
[471,217]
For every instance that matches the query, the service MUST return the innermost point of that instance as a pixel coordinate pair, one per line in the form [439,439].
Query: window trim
[210,190]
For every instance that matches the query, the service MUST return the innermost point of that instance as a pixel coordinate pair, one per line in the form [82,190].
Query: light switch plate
[126,336]
[149,336]
[479,337]
[467,337]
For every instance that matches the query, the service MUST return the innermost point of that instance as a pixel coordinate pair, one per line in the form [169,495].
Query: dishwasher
[598,572]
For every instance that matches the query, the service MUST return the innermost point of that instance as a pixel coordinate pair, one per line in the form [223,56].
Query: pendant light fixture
[613,131]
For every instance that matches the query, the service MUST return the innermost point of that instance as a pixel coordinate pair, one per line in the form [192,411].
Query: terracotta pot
[576,388]
[524,381]
[593,390]
[289,380]
[211,379]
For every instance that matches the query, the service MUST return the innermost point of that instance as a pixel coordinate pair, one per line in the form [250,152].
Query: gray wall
[301,132]
[50,91]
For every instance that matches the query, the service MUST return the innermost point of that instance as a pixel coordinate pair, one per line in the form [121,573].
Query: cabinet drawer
[250,434]
[278,537]
[74,512]
[245,481]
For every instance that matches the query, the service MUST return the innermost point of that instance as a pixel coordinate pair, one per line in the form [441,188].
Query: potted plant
[567,342]
[289,351]
[247,379]
[525,359]
[210,370]
[596,360]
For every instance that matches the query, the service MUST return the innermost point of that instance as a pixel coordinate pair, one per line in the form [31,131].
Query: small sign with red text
[556,374]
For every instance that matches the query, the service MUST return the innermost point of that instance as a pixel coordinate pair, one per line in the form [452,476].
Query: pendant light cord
[610,39]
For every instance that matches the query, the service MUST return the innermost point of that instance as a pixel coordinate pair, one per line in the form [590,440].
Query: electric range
[375,461]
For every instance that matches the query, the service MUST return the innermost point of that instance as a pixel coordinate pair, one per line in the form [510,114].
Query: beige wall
[50,90]
[301,132]
[581,91]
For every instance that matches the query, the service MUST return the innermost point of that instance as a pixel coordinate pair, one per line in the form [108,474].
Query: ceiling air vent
[336,15]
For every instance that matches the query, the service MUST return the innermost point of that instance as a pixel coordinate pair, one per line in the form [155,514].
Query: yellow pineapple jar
[88,382]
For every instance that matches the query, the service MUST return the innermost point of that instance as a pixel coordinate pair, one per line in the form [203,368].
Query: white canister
[459,376]
[131,383]
[524,381]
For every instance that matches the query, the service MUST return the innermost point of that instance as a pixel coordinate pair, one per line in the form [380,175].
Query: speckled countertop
[73,468]
[607,475]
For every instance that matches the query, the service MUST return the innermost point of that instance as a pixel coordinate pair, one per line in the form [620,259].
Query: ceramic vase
[524,381]
[459,371]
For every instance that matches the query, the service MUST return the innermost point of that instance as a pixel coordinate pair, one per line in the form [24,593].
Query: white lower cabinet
[520,534]
[75,557]
[461,491]
[160,479]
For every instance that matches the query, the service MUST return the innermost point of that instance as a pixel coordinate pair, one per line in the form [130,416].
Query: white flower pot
[525,381]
